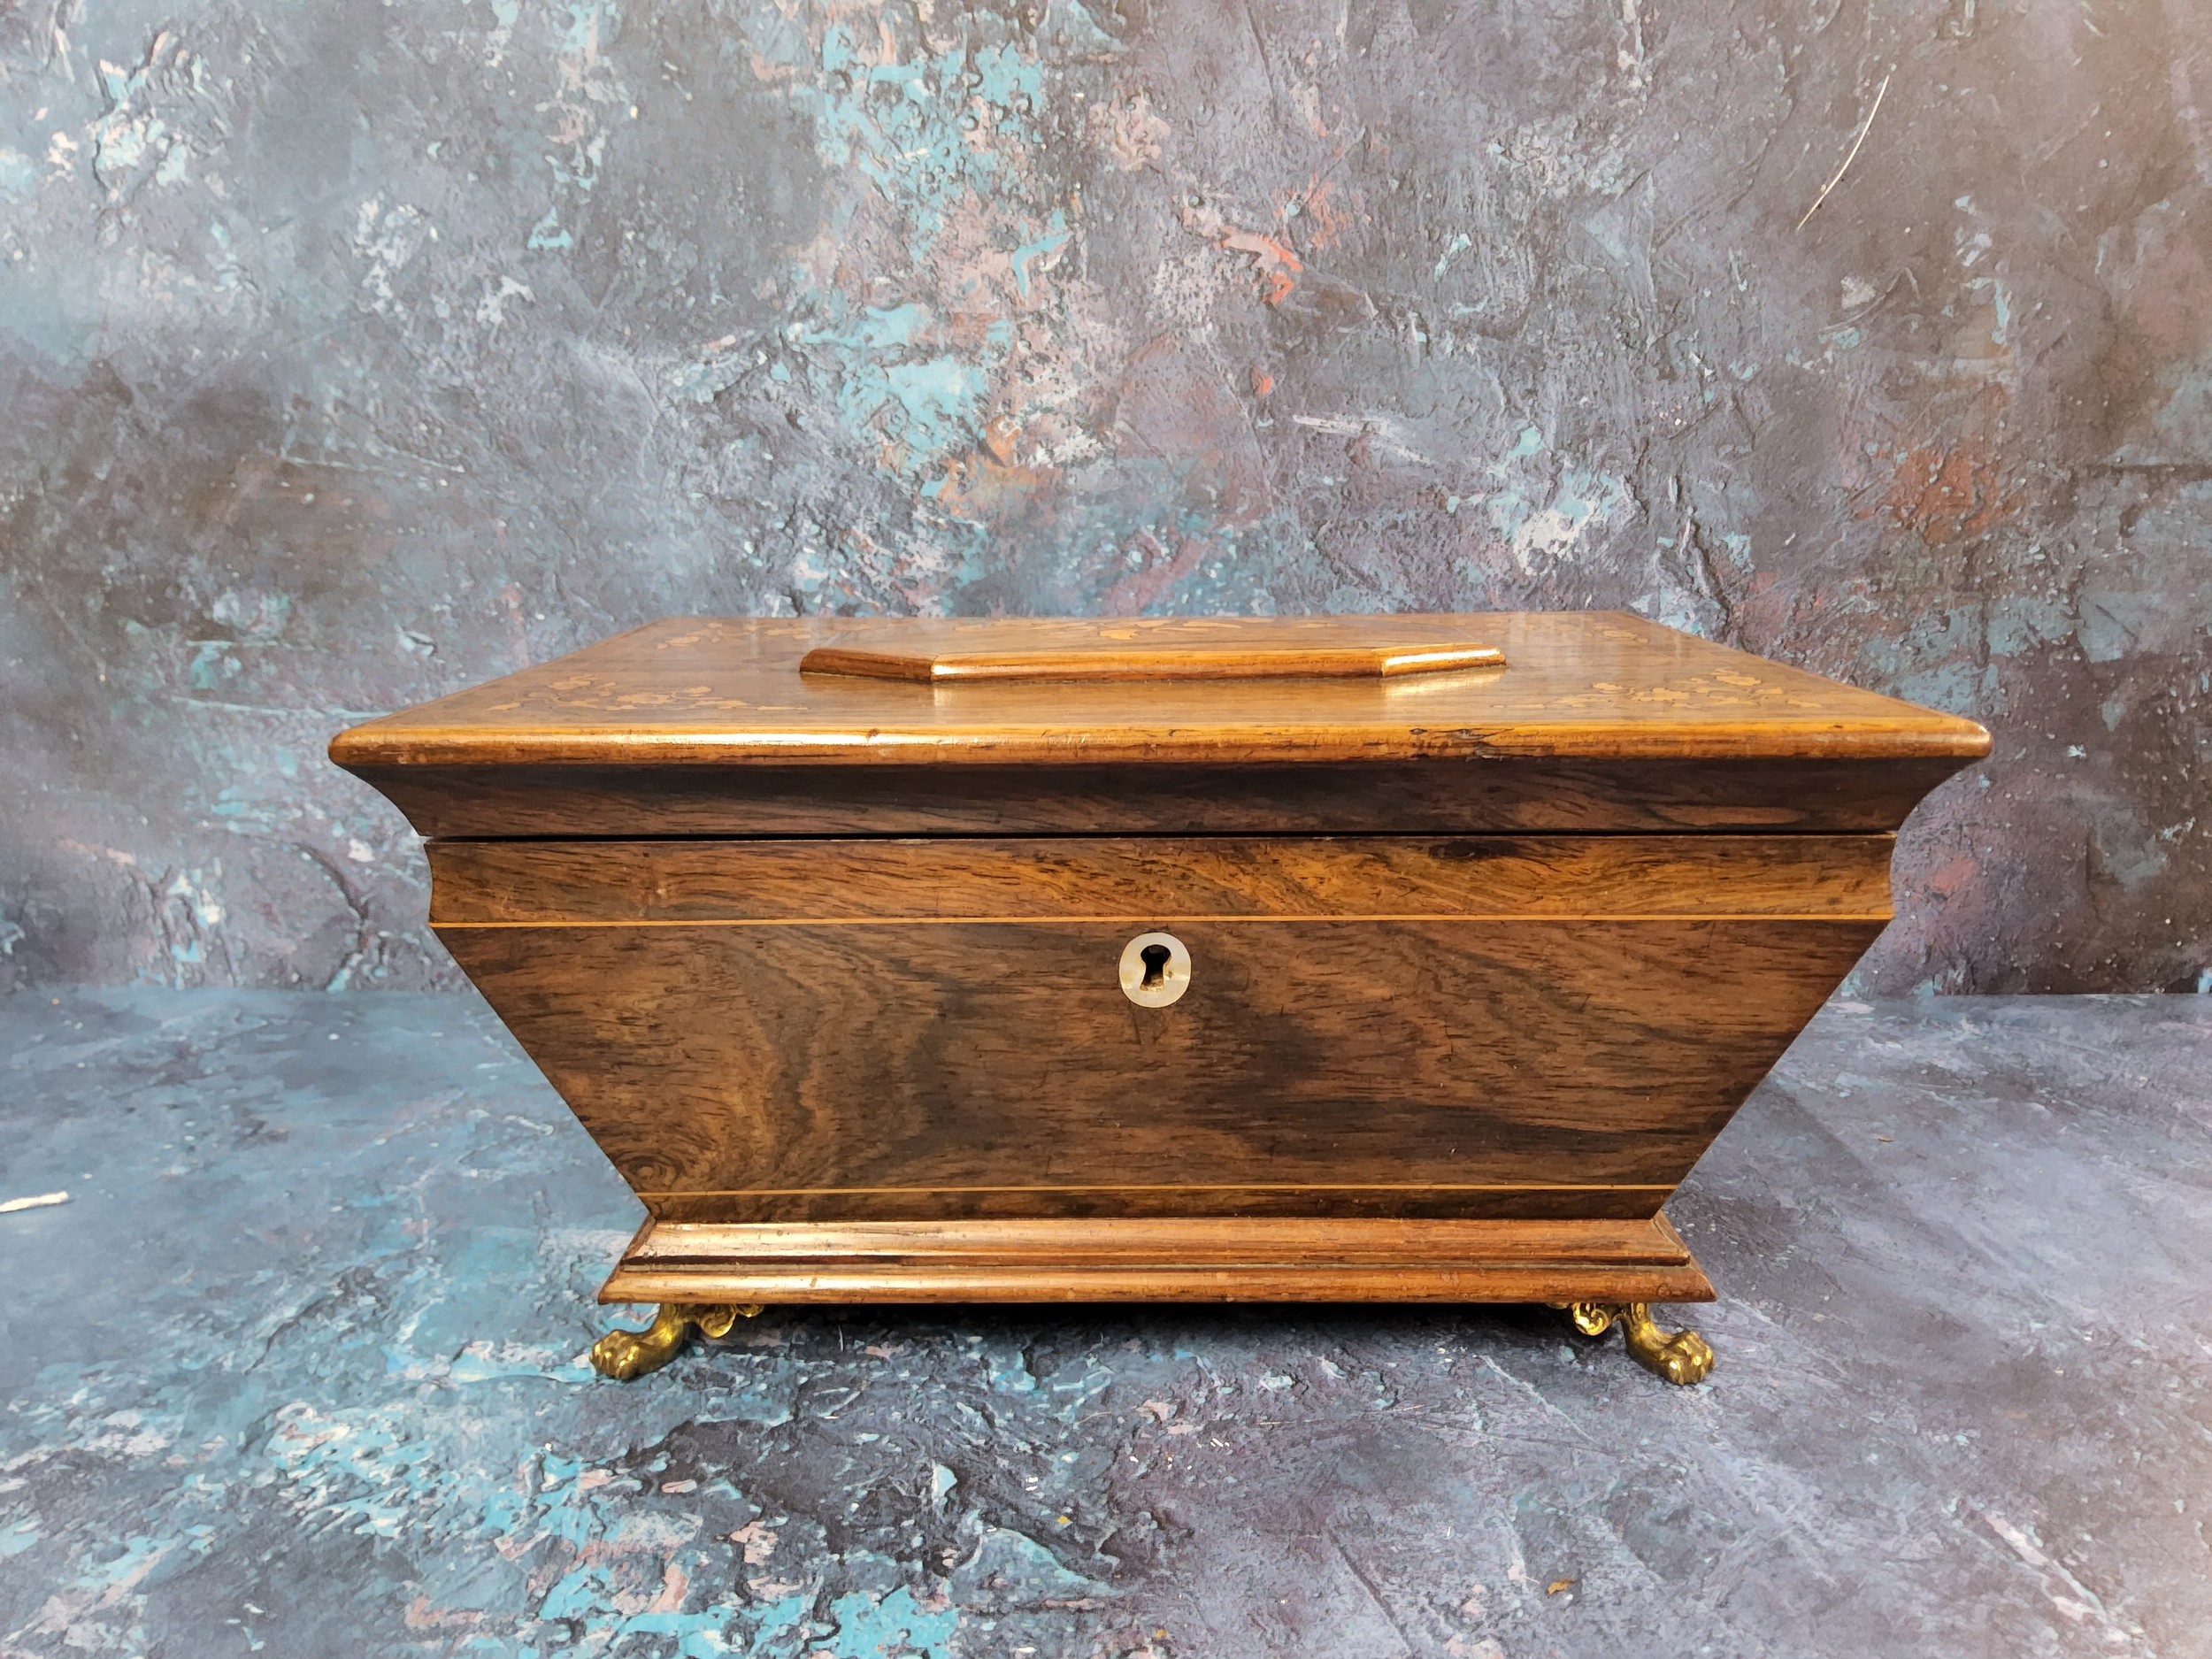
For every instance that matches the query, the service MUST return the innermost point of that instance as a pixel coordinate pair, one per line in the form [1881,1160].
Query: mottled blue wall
[350,352]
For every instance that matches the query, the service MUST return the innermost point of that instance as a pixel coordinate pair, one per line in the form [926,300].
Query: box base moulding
[704,1275]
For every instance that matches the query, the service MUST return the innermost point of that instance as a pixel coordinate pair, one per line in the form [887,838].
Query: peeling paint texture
[298,1368]
[352,353]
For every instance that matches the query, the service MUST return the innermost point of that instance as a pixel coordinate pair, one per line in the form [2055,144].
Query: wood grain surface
[1161,879]
[1530,1065]
[1462,796]
[1588,686]
[1214,1260]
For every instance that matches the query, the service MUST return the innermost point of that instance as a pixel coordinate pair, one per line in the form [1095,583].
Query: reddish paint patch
[1143,586]
[1176,404]
[1322,215]
[1279,265]
[422,1615]
[994,482]
[986,486]
[1329,216]
[1948,495]
[1956,874]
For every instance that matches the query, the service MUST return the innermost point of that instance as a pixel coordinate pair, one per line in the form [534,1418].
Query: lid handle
[1136,660]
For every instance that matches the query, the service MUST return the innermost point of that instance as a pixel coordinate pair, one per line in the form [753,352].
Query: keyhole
[1154,970]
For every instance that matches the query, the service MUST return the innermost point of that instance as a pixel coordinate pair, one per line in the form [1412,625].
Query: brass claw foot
[1682,1357]
[623,1354]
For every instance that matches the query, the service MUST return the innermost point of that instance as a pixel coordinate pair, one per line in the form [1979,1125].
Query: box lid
[730,691]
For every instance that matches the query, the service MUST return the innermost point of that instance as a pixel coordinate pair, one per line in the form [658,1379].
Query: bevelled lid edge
[392,742]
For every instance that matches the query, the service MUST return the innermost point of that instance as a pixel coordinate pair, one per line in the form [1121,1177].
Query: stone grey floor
[296,1370]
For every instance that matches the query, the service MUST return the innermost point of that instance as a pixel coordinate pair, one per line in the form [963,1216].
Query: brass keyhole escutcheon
[1155,970]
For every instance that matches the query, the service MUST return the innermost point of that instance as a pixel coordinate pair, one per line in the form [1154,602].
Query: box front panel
[1382,1025]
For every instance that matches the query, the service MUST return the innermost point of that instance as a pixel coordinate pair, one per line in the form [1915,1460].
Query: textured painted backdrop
[351,352]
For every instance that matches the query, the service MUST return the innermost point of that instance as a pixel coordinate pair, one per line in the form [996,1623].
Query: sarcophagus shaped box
[1385,958]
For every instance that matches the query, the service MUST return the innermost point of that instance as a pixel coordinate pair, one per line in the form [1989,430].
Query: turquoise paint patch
[879,328]
[2113,624]
[585,68]
[1012,1567]
[583,1596]
[1584,494]
[779,1617]
[480,1363]
[581,169]
[1007,76]
[911,78]
[703,381]
[357,1467]
[212,665]
[698,1635]
[592,24]
[1580,498]
[1673,607]
[1045,247]
[141,1555]
[1955,687]
[125,145]
[934,396]
[547,235]
[871,368]
[19,175]
[2021,622]
[1007,1368]
[1075,1392]
[578,173]
[912,147]
[898,1624]
[932,135]
[1070,28]
[1938,661]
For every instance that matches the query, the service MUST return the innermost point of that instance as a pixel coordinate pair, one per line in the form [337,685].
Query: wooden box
[1475,931]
